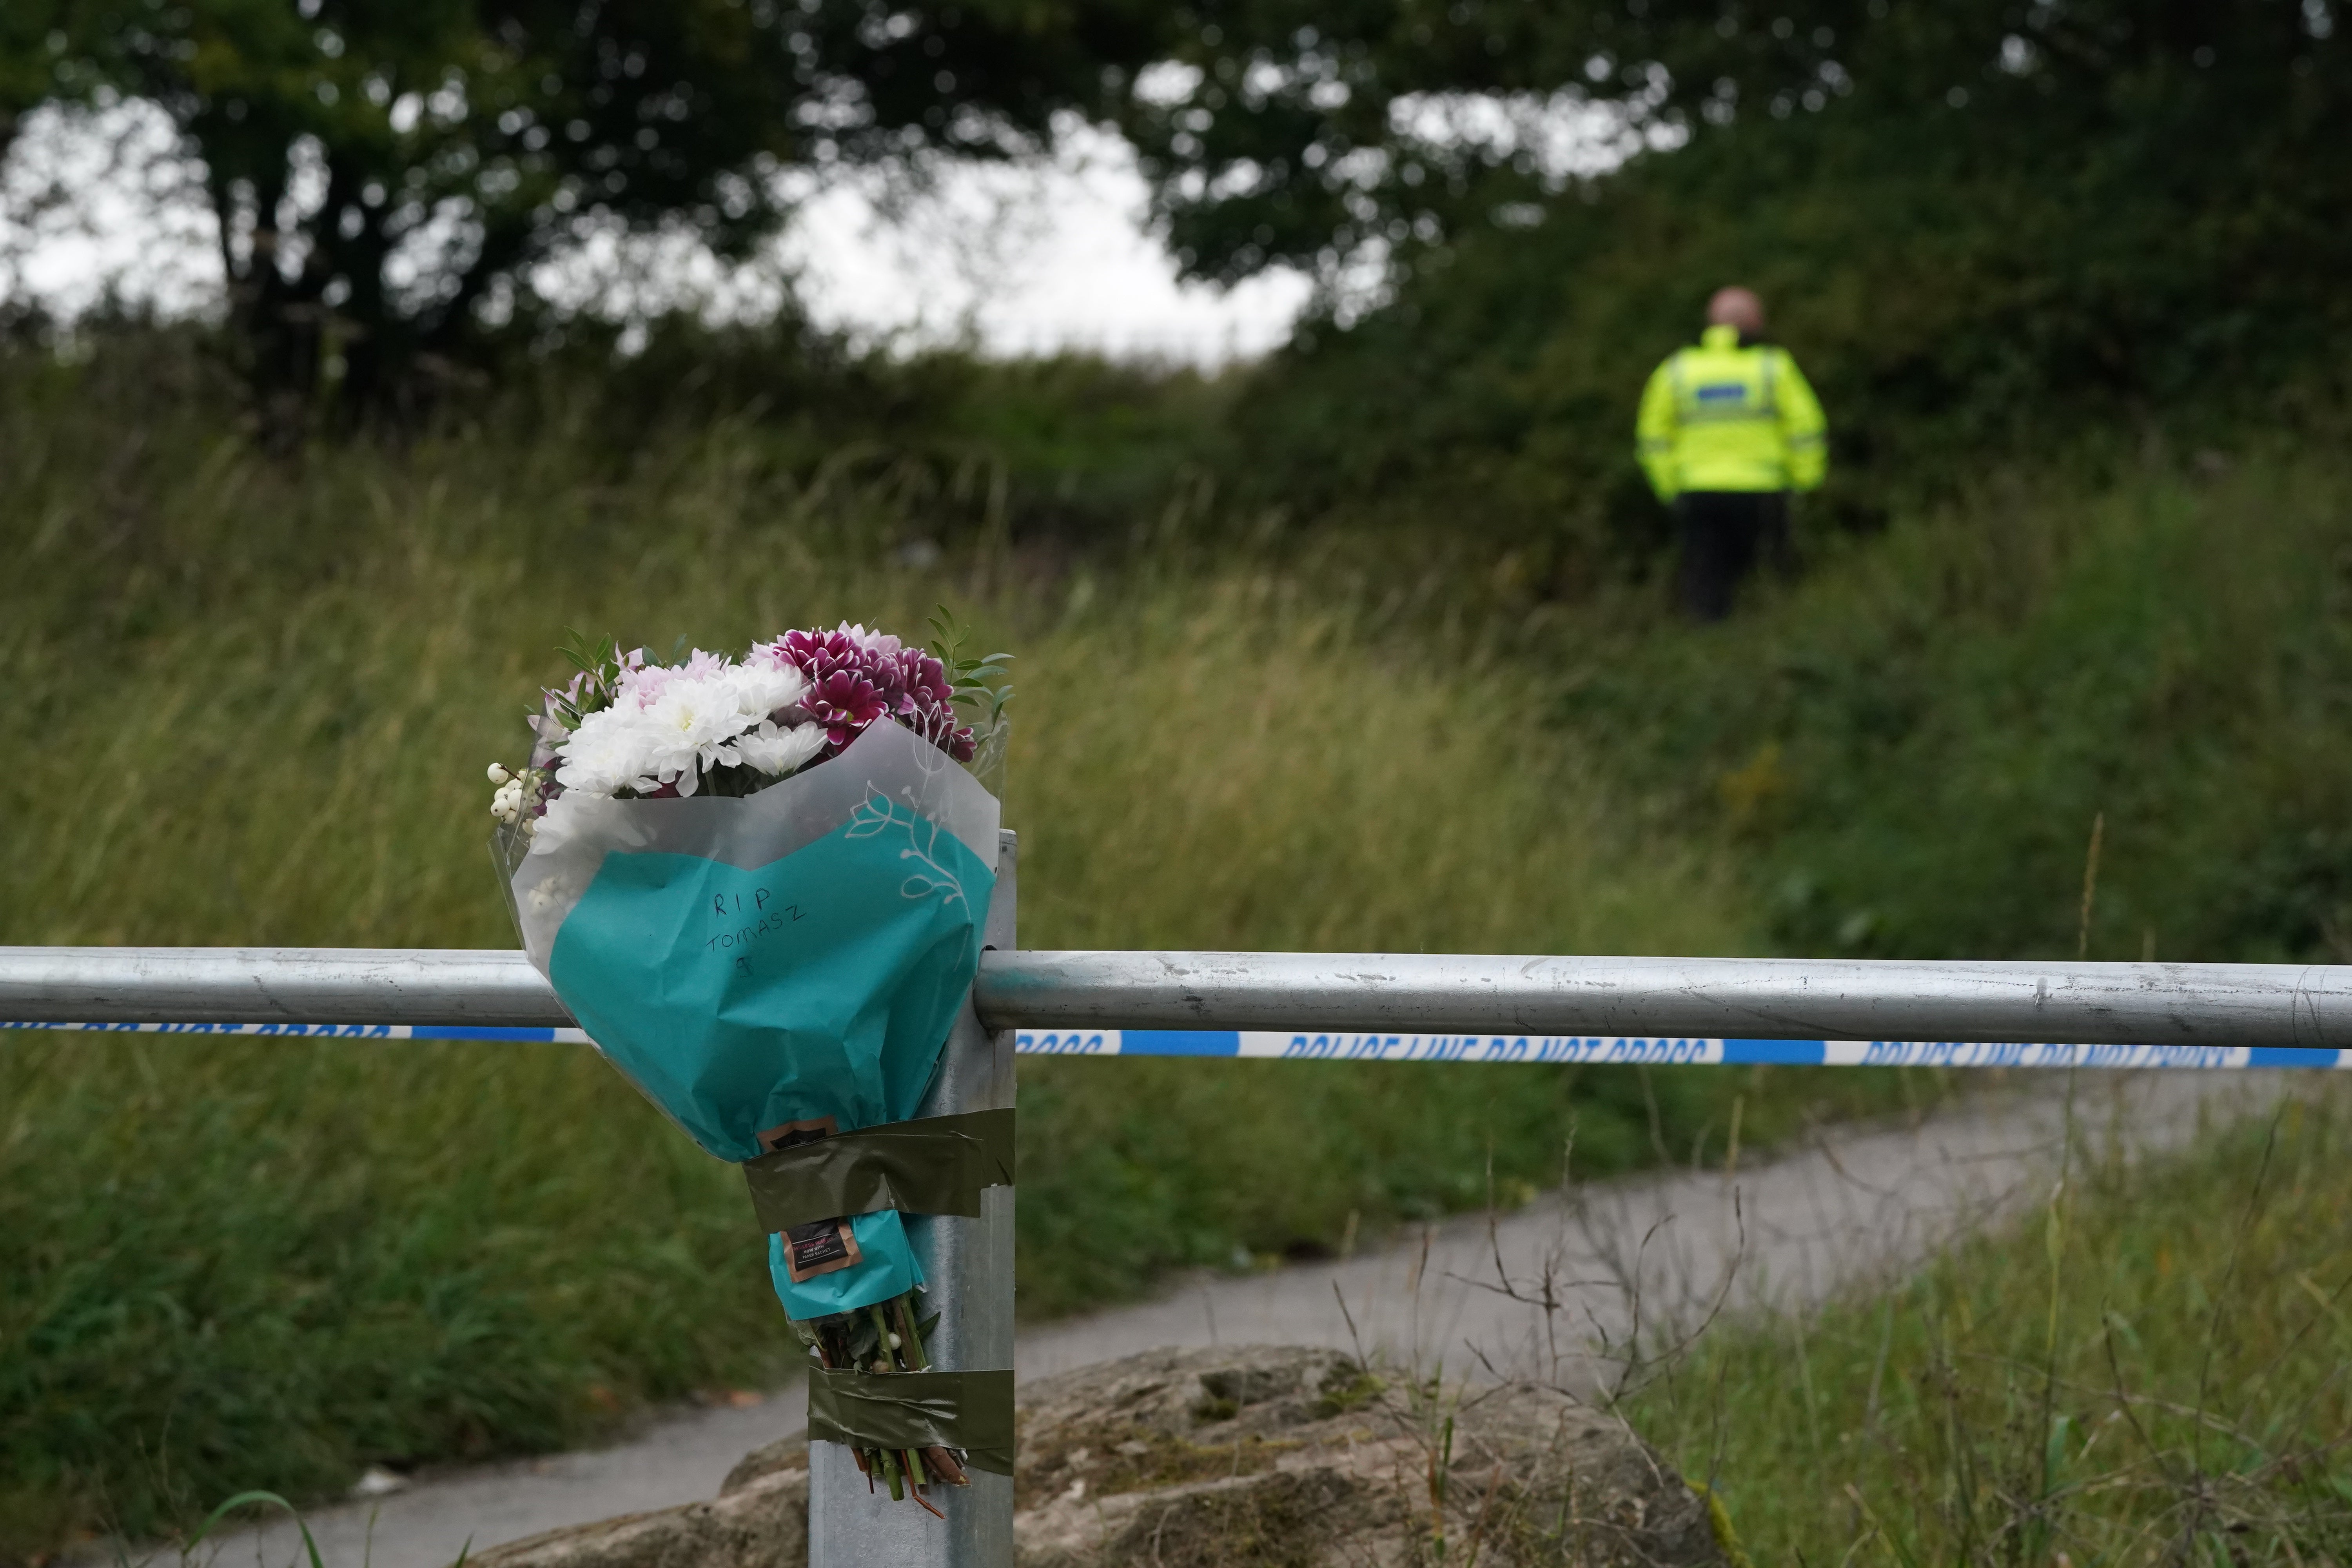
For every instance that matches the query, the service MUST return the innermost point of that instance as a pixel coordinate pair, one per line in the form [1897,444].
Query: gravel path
[1854,1204]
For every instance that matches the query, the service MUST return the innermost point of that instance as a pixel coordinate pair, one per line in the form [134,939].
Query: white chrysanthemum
[608,752]
[670,726]
[686,730]
[778,751]
[767,689]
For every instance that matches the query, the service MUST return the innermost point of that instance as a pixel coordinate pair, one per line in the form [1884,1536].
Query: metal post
[968,1264]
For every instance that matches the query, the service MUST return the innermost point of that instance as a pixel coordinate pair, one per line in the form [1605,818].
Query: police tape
[1526,1049]
[1605,1050]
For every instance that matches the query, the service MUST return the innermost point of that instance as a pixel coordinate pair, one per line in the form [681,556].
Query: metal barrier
[1353,1007]
[2199,1005]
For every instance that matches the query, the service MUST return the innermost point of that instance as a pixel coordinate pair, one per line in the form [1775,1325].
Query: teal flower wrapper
[888,1268]
[822,984]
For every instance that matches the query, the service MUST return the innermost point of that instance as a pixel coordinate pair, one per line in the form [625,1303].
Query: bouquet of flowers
[759,882]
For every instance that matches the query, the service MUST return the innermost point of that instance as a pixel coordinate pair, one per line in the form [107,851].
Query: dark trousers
[1725,533]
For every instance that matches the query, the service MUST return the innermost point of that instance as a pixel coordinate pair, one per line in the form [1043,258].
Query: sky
[1019,261]
[1039,260]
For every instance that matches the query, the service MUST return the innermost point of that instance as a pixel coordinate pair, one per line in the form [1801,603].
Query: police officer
[1727,430]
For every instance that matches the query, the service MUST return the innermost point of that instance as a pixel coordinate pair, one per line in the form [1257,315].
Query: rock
[1267,1455]
[1261,1457]
[760,1523]
[789,1452]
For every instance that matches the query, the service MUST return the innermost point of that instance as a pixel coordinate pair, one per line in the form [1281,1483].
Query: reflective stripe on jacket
[1723,417]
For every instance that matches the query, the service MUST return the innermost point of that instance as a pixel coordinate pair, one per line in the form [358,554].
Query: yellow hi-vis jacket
[1723,417]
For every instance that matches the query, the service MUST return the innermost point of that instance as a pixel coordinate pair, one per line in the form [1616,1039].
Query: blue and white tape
[1660,1052]
[522,1035]
[1275,1044]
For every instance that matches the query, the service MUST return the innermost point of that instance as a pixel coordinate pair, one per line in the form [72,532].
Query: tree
[1302,130]
[1988,231]
[385,172]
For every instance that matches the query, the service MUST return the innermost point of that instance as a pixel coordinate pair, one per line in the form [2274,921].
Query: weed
[2150,1372]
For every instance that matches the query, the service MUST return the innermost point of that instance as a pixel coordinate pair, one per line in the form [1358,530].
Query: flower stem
[905,1305]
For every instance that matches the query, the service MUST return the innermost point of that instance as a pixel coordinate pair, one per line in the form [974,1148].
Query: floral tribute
[724,1040]
[623,729]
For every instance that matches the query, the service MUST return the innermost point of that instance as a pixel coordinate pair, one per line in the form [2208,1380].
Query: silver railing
[2263,1004]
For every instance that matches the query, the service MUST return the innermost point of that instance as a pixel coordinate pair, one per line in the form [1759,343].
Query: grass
[2150,1368]
[1908,747]
[256,702]
[254,699]
[244,1263]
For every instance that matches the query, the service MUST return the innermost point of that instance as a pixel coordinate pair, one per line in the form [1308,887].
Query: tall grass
[254,700]
[2148,1368]
[1908,746]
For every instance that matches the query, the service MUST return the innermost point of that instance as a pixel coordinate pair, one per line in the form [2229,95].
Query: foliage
[2130,222]
[983,683]
[251,1263]
[1301,132]
[1909,747]
[386,175]
[1983,244]
[224,1263]
[1061,453]
[355,1258]
[2147,1368]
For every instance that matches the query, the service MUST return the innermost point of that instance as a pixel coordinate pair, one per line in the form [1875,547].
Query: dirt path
[1857,1203]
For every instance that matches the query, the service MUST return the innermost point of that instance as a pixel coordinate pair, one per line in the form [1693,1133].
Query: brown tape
[938,1164]
[972,1411]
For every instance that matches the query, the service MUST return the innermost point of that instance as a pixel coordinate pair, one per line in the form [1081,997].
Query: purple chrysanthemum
[844,702]
[857,677]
